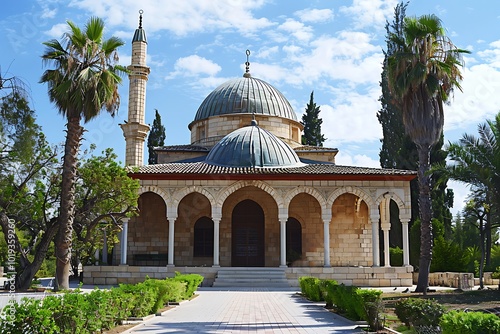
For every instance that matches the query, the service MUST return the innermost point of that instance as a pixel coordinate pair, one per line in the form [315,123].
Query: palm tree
[422,72]
[476,161]
[83,82]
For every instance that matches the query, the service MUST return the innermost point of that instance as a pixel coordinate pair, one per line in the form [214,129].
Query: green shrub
[327,290]
[29,316]
[142,297]
[371,300]
[416,312]
[310,288]
[459,322]
[166,290]
[396,255]
[192,282]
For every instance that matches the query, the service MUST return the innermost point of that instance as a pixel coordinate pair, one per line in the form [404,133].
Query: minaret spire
[247,66]
[135,130]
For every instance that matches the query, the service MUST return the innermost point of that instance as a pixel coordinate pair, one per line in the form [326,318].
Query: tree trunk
[27,270]
[424,200]
[63,241]
[488,230]
[482,235]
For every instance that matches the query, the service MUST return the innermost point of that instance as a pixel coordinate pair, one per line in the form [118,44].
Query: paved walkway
[256,311]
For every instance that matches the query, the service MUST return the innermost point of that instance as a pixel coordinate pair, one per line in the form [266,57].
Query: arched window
[293,240]
[203,238]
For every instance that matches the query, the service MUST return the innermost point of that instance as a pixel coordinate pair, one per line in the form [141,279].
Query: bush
[166,291]
[141,296]
[310,288]
[459,322]
[396,255]
[372,306]
[417,312]
[192,282]
[327,288]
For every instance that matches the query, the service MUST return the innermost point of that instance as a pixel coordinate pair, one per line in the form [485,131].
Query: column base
[216,266]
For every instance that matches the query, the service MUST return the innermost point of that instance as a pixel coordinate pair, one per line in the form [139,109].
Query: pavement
[248,311]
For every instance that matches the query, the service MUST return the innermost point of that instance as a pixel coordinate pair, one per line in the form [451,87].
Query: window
[203,238]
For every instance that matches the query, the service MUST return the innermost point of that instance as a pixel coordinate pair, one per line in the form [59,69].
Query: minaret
[135,130]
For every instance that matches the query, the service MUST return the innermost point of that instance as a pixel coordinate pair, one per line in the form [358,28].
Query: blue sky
[331,47]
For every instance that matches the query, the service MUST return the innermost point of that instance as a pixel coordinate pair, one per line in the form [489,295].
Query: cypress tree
[312,124]
[156,138]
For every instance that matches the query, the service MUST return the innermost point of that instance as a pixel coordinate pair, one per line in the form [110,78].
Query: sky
[332,47]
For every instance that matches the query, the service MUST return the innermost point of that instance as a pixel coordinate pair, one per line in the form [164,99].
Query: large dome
[252,146]
[246,95]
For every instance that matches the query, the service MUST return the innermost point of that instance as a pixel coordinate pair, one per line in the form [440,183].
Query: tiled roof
[203,168]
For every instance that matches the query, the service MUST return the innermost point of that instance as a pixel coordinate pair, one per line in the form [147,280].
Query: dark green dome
[252,146]
[245,95]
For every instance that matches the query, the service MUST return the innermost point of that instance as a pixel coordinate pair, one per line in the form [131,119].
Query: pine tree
[156,138]
[312,124]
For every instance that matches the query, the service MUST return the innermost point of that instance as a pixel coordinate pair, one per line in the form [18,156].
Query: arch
[160,192]
[180,194]
[393,196]
[308,190]
[351,190]
[248,235]
[225,192]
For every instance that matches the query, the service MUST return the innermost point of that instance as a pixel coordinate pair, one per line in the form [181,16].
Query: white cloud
[180,17]
[370,13]
[351,117]
[297,29]
[343,158]
[266,52]
[315,15]
[194,65]
[57,31]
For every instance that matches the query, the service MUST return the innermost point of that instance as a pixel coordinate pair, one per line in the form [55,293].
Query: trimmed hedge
[98,310]
[459,322]
[351,301]
[417,312]
[310,287]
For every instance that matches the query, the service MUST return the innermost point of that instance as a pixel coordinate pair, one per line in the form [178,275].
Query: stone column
[406,243]
[375,241]
[105,247]
[326,238]
[216,221]
[171,218]
[124,242]
[387,252]
[283,220]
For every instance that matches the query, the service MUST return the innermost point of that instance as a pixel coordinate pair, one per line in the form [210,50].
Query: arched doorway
[293,240]
[247,235]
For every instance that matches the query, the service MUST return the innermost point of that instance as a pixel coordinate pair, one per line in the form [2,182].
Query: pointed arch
[395,197]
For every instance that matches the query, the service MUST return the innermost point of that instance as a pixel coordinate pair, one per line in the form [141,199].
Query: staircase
[251,277]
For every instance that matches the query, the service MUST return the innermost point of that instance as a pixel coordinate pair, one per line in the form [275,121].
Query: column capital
[282,218]
[326,217]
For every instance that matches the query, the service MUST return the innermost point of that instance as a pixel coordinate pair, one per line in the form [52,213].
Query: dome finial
[140,18]
[247,66]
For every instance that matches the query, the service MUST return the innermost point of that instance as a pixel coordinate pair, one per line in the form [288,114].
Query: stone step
[251,277]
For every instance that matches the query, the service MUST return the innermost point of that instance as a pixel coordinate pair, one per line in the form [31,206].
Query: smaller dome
[252,146]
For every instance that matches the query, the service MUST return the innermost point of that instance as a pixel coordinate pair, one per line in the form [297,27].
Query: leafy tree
[422,72]
[26,165]
[156,138]
[476,161]
[84,81]
[312,124]
[104,195]
[399,152]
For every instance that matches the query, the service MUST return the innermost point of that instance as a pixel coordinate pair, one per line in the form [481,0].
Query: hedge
[459,322]
[98,310]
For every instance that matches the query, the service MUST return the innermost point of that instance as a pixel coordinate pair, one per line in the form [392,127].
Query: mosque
[245,195]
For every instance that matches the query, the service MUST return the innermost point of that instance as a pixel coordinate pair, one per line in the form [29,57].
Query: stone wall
[359,276]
